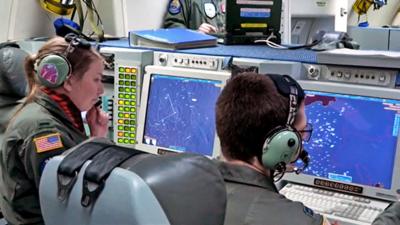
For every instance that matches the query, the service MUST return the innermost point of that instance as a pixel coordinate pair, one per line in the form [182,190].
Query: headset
[283,144]
[53,69]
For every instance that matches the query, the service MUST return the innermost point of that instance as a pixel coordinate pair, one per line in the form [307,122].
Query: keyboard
[347,209]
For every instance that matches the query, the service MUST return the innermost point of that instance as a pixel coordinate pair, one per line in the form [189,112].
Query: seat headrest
[189,187]
[12,73]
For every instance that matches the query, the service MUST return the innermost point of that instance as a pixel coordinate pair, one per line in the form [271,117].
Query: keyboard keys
[332,203]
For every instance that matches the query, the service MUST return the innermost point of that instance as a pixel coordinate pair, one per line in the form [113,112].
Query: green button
[127,76]
[121,76]
[133,90]
[120,115]
[127,90]
[133,103]
[133,109]
[133,97]
[120,140]
[133,129]
[121,89]
[126,128]
[120,95]
[126,96]
[132,141]
[133,83]
[126,140]
[121,82]
[133,116]
[120,108]
[127,83]
[126,102]
[120,127]
[126,134]
[132,122]
[126,122]
[121,69]
[133,77]
[132,135]
[126,109]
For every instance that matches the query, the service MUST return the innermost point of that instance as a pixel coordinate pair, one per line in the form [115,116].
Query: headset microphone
[305,158]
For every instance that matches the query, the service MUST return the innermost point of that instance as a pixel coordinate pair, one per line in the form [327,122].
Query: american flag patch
[48,143]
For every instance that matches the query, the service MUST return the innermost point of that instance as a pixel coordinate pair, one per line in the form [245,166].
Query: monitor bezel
[221,76]
[391,194]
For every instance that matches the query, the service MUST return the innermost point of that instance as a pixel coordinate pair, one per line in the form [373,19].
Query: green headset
[283,144]
[53,69]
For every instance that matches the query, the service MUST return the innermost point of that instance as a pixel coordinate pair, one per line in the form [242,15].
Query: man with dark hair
[261,124]
[251,111]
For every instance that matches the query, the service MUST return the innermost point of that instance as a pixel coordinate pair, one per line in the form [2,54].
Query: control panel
[126,104]
[203,62]
[126,68]
[107,105]
[353,75]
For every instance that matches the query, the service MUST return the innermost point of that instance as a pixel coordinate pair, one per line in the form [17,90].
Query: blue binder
[172,38]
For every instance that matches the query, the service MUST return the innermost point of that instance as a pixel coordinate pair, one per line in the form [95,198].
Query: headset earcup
[283,147]
[52,70]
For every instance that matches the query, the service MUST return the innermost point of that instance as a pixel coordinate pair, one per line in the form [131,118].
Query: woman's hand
[97,121]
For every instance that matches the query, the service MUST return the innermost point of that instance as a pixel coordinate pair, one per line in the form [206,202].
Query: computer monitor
[354,145]
[248,21]
[177,112]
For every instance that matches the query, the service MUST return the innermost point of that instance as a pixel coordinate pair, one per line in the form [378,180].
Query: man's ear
[69,83]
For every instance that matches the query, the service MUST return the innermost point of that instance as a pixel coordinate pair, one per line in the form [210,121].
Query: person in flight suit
[65,79]
[12,83]
[390,216]
[206,16]
[251,112]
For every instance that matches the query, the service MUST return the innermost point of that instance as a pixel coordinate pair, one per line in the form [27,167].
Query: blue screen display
[181,113]
[354,138]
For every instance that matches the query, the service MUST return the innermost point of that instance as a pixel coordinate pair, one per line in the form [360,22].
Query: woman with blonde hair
[65,79]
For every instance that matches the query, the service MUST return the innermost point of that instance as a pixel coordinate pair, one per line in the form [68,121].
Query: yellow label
[253,25]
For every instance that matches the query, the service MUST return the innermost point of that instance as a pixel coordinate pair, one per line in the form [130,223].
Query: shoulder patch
[48,142]
[43,164]
[308,211]
[174,7]
[210,10]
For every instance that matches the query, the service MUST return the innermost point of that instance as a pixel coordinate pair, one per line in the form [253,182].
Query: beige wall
[23,19]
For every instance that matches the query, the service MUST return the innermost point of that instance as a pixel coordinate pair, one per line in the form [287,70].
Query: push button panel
[126,105]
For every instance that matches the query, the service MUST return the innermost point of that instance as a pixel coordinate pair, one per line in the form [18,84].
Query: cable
[98,26]
[271,43]
[285,47]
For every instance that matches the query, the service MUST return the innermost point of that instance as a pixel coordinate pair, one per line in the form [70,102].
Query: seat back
[189,187]
[125,199]
[146,189]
